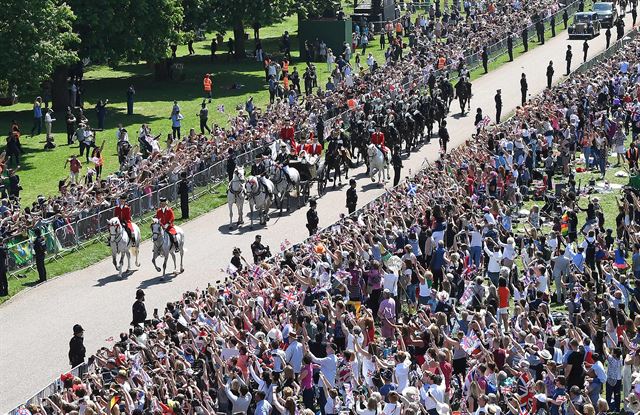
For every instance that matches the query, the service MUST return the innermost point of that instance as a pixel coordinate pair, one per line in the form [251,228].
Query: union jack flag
[290,296]
[284,245]
[470,342]
[484,122]
[466,295]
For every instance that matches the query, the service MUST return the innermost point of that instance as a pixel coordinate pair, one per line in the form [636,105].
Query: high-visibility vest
[207,84]
[441,62]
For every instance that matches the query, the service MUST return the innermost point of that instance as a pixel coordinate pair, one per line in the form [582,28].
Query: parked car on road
[585,25]
[607,13]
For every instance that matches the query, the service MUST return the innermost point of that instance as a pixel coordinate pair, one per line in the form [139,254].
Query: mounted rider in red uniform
[377,139]
[123,213]
[165,217]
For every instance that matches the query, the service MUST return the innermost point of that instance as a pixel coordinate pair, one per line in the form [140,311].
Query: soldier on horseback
[165,217]
[123,213]
[377,139]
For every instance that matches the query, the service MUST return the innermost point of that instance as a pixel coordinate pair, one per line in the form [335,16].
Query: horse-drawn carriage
[311,170]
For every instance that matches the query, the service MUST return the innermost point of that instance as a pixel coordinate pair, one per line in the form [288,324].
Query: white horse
[282,186]
[236,195]
[260,196]
[119,242]
[162,246]
[378,162]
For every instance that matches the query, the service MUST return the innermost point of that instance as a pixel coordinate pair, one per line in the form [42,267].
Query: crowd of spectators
[442,296]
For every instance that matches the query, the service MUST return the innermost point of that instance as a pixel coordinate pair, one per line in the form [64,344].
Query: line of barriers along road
[207,178]
[67,235]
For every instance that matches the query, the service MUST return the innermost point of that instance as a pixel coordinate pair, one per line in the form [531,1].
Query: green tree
[115,31]
[314,9]
[36,37]
[238,14]
[197,14]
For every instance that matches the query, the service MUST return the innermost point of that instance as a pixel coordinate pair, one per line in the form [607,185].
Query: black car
[607,13]
[585,25]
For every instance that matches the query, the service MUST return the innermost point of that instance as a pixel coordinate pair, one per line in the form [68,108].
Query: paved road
[35,326]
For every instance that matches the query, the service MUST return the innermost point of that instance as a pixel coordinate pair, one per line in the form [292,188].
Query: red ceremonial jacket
[287,133]
[377,138]
[123,213]
[166,217]
[314,149]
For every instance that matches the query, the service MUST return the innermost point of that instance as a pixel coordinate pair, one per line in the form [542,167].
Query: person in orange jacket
[165,217]
[207,83]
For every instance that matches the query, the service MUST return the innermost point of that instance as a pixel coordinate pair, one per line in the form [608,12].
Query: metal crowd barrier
[54,387]
[66,235]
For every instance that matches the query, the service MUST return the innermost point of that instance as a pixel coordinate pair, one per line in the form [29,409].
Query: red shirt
[503,296]
[75,165]
[287,133]
[447,370]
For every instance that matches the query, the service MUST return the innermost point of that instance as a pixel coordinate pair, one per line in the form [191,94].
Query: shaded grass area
[41,170]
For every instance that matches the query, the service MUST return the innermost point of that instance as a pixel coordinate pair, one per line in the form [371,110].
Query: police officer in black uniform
[352,196]
[485,59]
[312,217]
[4,284]
[259,251]
[568,56]
[525,39]
[498,99]
[77,350]
[183,191]
[550,72]
[40,250]
[396,161]
[138,309]
[510,46]
[524,87]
